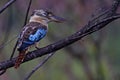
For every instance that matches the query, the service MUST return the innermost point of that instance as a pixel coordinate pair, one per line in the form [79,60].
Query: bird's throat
[39,20]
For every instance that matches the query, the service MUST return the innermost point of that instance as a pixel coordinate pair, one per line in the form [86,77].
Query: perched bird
[33,32]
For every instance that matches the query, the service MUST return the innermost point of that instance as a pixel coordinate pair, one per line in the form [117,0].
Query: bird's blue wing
[39,34]
[33,38]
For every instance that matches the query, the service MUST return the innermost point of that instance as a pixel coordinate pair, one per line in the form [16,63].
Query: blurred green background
[95,57]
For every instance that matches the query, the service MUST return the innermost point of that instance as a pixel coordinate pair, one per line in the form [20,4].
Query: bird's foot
[37,47]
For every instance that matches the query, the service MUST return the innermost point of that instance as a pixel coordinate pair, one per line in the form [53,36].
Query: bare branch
[26,17]
[28,9]
[1,10]
[39,65]
[7,5]
[62,43]
[115,6]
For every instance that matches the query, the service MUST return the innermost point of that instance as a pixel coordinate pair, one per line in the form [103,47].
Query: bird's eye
[44,14]
[48,13]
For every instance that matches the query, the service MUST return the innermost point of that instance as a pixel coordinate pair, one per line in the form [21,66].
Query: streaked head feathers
[47,15]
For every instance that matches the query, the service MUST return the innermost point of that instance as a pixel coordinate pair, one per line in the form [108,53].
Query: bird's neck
[38,20]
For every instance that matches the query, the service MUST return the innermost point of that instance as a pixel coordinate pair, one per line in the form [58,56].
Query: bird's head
[45,16]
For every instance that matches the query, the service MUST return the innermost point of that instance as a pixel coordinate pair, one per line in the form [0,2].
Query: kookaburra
[33,32]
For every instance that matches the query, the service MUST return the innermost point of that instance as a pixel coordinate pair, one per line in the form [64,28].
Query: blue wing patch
[40,33]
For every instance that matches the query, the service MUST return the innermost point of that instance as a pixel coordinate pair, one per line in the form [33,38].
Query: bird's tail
[20,58]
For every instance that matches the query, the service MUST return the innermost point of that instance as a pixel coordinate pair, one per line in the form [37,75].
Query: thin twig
[114,8]
[27,13]
[99,16]
[26,17]
[6,5]
[8,42]
[39,65]
[1,10]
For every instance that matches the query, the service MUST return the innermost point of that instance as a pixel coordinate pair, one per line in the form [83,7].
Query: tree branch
[6,5]
[39,65]
[115,6]
[62,43]
[28,9]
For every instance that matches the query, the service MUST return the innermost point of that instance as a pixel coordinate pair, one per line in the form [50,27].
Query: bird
[35,30]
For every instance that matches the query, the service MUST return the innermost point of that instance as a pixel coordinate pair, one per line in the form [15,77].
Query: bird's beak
[57,19]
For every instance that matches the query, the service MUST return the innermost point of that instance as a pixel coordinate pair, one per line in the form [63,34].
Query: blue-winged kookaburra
[34,31]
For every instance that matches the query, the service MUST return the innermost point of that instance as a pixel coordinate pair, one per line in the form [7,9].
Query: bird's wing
[30,34]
